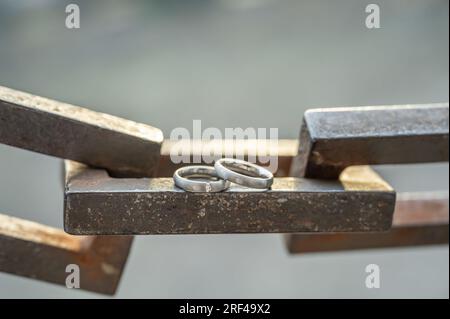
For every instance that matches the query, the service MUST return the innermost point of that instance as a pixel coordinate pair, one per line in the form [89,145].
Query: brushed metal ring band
[243,173]
[181,179]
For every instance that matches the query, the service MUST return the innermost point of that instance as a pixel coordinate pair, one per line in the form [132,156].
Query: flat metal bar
[420,219]
[40,252]
[97,204]
[335,138]
[123,147]
[285,150]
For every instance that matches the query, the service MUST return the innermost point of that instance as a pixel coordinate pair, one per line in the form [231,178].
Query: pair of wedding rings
[219,177]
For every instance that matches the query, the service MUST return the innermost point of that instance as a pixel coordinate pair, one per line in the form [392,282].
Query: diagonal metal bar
[97,204]
[40,252]
[123,147]
[335,138]
[420,219]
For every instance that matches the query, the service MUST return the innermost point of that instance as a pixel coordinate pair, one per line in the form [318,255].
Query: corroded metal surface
[32,250]
[419,219]
[123,147]
[34,123]
[96,204]
[332,139]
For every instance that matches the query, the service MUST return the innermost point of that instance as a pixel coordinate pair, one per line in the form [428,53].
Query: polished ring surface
[243,173]
[182,179]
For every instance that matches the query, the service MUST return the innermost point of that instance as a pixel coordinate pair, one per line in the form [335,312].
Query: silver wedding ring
[185,178]
[243,173]
[216,179]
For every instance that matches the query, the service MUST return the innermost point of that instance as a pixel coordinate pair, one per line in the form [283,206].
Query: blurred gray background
[230,63]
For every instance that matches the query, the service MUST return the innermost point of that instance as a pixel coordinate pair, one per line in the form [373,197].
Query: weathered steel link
[40,252]
[335,138]
[345,198]
[123,147]
[97,204]
[420,219]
